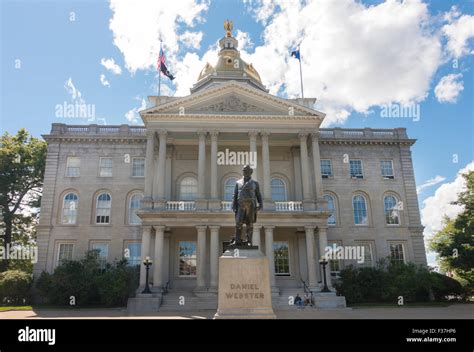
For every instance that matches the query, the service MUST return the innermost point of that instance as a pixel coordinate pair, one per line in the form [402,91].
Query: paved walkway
[457,311]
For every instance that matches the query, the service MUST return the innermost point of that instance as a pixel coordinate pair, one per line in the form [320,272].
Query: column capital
[258,227]
[309,228]
[302,135]
[322,229]
[160,228]
[201,227]
[162,133]
[150,133]
[214,134]
[268,227]
[265,134]
[315,135]
[202,134]
[146,228]
[253,133]
[214,227]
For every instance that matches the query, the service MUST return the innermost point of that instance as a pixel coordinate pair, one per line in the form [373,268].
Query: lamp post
[147,262]
[323,262]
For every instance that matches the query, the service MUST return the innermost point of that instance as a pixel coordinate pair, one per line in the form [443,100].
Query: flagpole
[159,68]
[301,72]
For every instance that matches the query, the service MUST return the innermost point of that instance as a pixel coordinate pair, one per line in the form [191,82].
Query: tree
[455,242]
[22,164]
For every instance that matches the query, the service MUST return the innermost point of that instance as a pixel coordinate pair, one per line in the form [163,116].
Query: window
[368,256]
[69,209]
[73,165]
[390,210]
[187,258]
[188,188]
[278,187]
[229,187]
[138,167]
[103,249]
[65,252]
[397,254]
[133,253]
[282,259]
[386,167]
[326,168]
[331,209]
[360,210]
[106,165]
[356,168]
[335,265]
[134,205]
[104,202]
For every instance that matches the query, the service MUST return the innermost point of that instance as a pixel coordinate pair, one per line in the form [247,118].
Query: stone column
[158,261]
[318,181]
[145,251]
[201,259]
[323,242]
[270,255]
[149,169]
[201,192]
[256,241]
[308,203]
[214,257]
[253,151]
[267,191]
[160,169]
[311,258]
[214,202]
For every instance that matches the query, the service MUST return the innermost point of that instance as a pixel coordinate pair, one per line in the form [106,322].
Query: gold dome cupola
[229,66]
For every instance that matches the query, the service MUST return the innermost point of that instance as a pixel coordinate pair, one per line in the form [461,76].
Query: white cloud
[458,32]
[104,81]
[245,42]
[437,206]
[110,65]
[191,39]
[138,25]
[431,182]
[76,96]
[132,115]
[448,88]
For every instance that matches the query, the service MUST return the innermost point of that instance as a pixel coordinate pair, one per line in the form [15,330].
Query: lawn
[7,308]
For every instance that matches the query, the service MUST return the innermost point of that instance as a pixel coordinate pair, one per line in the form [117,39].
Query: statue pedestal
[244,285]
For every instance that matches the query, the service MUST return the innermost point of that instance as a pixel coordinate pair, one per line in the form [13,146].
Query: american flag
[161,65]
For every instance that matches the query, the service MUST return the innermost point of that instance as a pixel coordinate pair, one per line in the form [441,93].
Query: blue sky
[42,49]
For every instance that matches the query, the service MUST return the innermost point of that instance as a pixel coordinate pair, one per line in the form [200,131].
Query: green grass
[7,308]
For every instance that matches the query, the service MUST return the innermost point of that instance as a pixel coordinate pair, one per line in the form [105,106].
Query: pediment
[231,98]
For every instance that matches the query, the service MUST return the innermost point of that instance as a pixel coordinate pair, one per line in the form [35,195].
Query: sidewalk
[456,311]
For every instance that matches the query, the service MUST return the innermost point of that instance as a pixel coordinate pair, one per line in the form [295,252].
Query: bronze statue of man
[246,202]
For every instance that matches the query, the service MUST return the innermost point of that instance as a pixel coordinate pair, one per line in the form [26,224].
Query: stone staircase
[176,301]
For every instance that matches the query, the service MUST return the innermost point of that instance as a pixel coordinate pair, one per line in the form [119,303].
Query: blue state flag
[296,53]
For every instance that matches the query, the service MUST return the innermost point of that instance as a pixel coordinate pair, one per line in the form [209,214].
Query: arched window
[229,187]
[278,187]
[103,205]
[133,206]
[331,209]
[69,213]
[359,205]
[391,210]
[188,188]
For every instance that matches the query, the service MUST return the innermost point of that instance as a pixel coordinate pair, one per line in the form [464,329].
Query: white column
[161,165]
[323,242]
[311,259]
[270,254]
[303,136]
[149,161]
[256,241]
[267,192]
[158,261]
[201,257]
[201,165]
[318,181]
[145,251]
[253,152]
[214,182]
[214,256]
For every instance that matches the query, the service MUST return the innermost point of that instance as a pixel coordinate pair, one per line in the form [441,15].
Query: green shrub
[447,288]
[88,282]
[15,287]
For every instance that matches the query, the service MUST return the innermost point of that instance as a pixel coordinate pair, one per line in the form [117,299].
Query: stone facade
[184,188]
